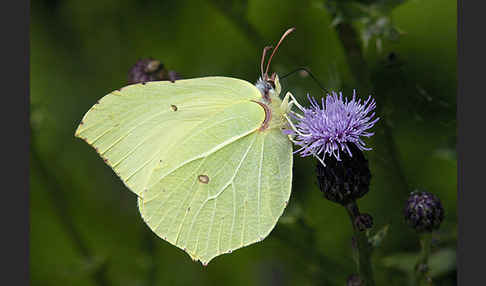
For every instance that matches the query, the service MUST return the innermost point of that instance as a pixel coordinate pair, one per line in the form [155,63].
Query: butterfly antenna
[274,50]
[265,50]
[310,74]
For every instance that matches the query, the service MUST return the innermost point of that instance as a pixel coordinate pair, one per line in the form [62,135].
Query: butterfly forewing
[138,128]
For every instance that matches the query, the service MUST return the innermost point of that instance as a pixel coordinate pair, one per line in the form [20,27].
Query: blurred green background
[85,227]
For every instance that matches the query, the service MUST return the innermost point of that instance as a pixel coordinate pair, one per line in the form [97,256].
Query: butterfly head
[269,86]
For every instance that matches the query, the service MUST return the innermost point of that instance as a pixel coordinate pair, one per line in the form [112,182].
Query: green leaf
[376,239]
[401,261]
[442,262]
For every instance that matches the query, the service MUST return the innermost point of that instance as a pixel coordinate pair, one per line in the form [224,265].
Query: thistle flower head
[332,128]
[423,211]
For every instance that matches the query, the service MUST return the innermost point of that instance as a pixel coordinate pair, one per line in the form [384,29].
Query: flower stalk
[362,249]
[422,265]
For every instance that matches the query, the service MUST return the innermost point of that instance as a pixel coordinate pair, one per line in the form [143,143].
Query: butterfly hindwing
[248,187]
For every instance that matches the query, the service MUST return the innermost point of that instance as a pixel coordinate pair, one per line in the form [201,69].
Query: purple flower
[329,130]
[424,211]
[145,70]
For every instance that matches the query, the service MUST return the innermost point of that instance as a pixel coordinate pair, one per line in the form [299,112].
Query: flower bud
[145,70]
[363,222]
[424,211]
[346,180]
[354,280]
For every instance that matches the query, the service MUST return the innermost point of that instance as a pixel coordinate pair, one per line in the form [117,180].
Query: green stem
[422,265]
[354,55]
[362,249]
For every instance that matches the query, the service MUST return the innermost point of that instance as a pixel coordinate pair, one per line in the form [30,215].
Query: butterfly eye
[271,80]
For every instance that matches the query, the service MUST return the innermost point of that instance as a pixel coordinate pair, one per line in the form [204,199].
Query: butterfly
[207,157]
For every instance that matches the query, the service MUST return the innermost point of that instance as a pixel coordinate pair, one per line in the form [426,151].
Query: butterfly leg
[292,126]
[320,160]
[286,105]
[293,101]
[315,155]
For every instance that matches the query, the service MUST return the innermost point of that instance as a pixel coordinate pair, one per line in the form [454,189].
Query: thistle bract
[334,127]
[346,180]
